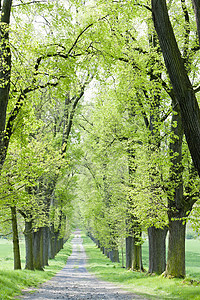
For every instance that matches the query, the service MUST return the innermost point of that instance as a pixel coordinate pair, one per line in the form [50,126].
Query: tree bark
[137,254]
[177,207]
[46,245]
[134,253]
[129,252]
[38,249]
[157,249]
[114,255]
[16,249]
[5,73]
[52,243]
[182,86]
[29,245]
[196,4]
[176,248]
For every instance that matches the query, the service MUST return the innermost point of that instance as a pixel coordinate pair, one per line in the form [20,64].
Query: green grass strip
[12,282]
[151,287]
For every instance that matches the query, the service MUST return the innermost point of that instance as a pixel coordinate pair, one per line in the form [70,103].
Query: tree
[5,74]
[190,114]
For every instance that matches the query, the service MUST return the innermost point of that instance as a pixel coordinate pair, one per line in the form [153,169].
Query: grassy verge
[12,282]
[151,287]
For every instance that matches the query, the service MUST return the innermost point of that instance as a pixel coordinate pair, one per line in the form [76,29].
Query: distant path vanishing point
[75,282]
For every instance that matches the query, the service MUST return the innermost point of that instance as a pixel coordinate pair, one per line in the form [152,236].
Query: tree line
[99,114]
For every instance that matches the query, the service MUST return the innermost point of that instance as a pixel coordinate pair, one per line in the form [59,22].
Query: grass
[193,259]
[151,287]
[12,282]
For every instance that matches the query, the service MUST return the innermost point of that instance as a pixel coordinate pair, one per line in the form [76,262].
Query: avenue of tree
[100,122]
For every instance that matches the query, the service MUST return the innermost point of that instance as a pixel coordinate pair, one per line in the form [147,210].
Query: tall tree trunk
[157,249]
[177,207]
[5,73]
[29,245]
[133,246]
[182,86]
[16,249]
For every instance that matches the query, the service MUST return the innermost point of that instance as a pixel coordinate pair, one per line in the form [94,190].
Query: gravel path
[74,282]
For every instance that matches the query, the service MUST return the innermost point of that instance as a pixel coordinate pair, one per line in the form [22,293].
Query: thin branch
[197,89]
[143,5]
[6,234]
[83,127]
[87,166]
[166,116]
[86,120]
[78,37]
[31,2]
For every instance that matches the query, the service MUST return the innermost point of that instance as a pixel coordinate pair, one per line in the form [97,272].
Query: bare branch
[78,37]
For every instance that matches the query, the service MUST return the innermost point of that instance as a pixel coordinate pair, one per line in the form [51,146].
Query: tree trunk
[196,5]
[38,249]
[16,249]
[129,252]
[114,255]
[56,243]
[42,246]
[98,244]
[46,245]
[177,207]
[29,245]
[122,250]
[52,243]
[133,254]
[182,86]
[157,249]
[5,72]
[137,255]
[133,250]
[176,248]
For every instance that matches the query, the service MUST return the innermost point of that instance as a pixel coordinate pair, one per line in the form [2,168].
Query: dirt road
[74,282]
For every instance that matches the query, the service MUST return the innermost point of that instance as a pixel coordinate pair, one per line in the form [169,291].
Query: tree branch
[187,28]
[31,2]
